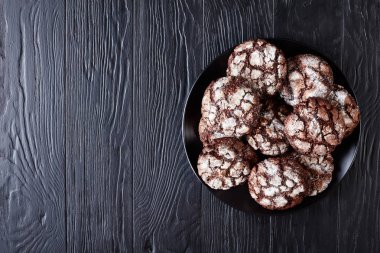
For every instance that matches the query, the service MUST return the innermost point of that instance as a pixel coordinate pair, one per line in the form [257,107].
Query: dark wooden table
[91,101]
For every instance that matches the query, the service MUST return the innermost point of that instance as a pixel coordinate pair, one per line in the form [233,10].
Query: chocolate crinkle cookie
[315,127]
[320,170]
[226,163]
[230,108]
[269,136]
[308,76]
[260,62]
[278,183]
[347,107]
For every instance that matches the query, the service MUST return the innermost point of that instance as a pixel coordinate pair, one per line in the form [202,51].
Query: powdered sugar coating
[320,171]
[225,163]
[259,62]
[230,108]
[315,127]
[278,183]
[347,107]
[308,76]
[269,136]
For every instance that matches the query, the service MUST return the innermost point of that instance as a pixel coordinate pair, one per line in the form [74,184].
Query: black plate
[239,197]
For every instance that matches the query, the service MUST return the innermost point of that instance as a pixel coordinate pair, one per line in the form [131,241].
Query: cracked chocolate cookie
[315,127]
[261,63]
[308,76]
[278,183]
[226,163]
[230,108]
[320,171]
[269,136]
[347,107]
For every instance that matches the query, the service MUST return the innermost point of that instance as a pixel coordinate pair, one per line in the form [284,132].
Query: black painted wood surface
[91,101]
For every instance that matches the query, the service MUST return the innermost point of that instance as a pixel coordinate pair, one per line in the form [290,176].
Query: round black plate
[239,197]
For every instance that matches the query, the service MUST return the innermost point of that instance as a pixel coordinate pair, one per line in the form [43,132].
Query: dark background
[91,101]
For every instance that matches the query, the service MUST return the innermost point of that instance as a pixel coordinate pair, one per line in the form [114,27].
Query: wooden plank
[359,206]
[99,126]
[167,59]
[319,25]
[315,23]
[223,228]
[32,126]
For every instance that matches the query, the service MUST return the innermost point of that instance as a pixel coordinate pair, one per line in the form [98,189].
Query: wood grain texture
[359,203]
[32,123]
[91,101]
[223,228]
[318,24]
[99,126]
[167,58]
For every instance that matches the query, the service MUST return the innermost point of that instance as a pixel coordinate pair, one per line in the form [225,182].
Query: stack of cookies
[274,122]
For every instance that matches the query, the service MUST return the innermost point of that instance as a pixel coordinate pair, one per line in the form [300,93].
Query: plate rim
[322,195]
